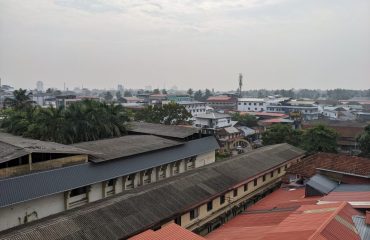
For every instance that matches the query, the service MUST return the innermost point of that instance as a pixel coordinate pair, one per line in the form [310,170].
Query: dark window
[78,191]
[222,199]
[272,174]
[264,178]
[110,183]
[194,213]
[255,182]
[178,220]
[279,170]
[235,192]
[286,166]
[209,206]
[245,187]
[131,177]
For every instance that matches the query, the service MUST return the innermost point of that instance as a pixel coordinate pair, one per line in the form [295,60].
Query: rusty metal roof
[12,147]
[162,130]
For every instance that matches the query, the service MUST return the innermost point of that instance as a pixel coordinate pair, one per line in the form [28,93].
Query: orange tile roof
[288,215]
[171,231]
[348,197]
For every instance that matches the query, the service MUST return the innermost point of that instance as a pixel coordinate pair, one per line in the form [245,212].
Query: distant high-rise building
[40,86]
[120,88]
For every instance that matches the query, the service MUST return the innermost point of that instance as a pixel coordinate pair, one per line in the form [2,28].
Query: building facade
[251,105]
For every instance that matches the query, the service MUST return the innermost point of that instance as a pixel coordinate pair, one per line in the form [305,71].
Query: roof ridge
[327,221]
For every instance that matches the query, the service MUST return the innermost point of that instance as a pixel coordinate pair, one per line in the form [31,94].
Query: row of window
[255,104]
[194,213]
[255,109]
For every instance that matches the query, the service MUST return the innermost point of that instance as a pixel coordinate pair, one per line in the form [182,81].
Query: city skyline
[98,44]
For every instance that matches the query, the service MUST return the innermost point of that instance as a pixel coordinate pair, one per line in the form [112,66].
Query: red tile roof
[288,215]
[220,98]
[171,231]
[336,162]
[368,217]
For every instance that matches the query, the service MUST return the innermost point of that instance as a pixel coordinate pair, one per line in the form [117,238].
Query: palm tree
[20,99]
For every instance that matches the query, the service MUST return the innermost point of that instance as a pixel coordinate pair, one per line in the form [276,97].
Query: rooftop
[162,130]
[136,210]
[358,195]
[12,147]
[251,100]
[45,183]
[265,114]
[113,148]
[286,214]
[171,231]
[219,98]
[213,115]
[336,162]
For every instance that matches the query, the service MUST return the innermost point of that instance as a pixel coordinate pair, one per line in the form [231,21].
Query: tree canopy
[245,120]
[317,139]
[320,139]
[20,99]
[82,121]
[364,142]
[281,133]
[168,114]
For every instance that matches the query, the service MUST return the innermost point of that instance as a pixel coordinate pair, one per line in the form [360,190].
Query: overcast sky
[186,43]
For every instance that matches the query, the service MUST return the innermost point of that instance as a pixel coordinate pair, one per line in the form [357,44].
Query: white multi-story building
[39,179]
[194,107]
[251,105]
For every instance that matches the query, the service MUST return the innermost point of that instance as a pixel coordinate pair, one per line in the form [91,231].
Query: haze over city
[99,44]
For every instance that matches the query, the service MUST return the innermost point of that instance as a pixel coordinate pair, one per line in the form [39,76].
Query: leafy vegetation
[281,133]
[320,139]
[169,114]
[82,121]
[317,139]
[20,99]
[245,120]
[364,142]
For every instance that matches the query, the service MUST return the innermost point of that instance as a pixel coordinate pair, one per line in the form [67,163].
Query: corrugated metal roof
[362,228]
[12,147]
[162,130]
[171,231]
[134,211]
[39,184]
[322,183]
[113,148]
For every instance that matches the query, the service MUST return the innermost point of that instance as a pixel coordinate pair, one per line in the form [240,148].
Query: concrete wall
[205,159]
[26,212]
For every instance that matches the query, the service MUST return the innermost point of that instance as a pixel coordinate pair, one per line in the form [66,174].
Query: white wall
[204,159]
[251,106]
[39,208]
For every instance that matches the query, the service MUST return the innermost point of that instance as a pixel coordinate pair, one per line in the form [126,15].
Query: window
[194,213]
[235,192]
[261,104]
[178,220]
[272,174]
[110,183]
[209,206]
[245,103]
[279,170]
[255,182]
[264,178]
[245,187]
[222,199]
[78,191]
[255,104]
[286,166]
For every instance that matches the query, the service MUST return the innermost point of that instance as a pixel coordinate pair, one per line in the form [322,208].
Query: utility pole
[240,84]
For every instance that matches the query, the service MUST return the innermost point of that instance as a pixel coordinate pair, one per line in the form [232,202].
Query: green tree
[207,94]
[127,94]
[156,91]
[169,114]
[190,92]
[364,142]
[281,133]
[198,95]
[320,139]
[20,99]
[164,91]
[82,121]
[108,96]
[245,120]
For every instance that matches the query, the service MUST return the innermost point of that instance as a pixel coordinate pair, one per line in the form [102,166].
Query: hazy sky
[187,43]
